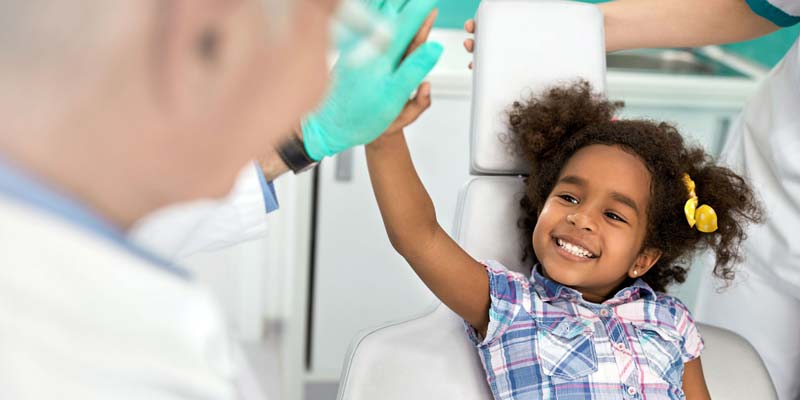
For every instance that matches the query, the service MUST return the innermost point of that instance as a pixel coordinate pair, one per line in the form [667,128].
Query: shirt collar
[550,290]
[18,185]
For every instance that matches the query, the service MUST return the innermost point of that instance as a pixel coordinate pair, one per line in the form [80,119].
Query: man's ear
[646,259]
[190,43]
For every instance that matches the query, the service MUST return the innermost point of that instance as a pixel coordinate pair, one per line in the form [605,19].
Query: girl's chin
[562,274]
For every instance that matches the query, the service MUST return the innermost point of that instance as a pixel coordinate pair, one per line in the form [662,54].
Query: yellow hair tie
[704,217]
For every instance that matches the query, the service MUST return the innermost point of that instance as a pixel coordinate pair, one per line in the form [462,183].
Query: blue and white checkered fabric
[545,342]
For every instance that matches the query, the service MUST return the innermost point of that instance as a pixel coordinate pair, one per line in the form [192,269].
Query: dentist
[112,110]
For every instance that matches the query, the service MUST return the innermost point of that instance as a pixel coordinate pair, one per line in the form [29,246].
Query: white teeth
[574,249]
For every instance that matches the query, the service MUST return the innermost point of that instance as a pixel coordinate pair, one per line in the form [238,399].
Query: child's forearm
[408,214]
[407,210]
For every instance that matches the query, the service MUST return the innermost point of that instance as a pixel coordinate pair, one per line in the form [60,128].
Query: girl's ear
[646,259]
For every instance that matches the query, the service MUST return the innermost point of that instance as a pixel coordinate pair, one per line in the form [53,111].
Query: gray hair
[40,32]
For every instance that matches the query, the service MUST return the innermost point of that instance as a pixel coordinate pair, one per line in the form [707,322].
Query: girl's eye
[568,198]
[615,217]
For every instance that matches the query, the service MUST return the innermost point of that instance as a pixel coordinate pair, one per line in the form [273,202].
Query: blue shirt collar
[550,290]
[23,187]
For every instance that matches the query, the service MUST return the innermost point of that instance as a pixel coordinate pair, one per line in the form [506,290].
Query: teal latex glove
[363,101]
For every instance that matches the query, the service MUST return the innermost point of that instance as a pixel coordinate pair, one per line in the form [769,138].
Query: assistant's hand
[365,100]
[469,44]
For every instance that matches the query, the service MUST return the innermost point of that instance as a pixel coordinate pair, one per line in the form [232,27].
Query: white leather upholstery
[485,220]
[732,368]
[425,358]
[531,45]
[522,47]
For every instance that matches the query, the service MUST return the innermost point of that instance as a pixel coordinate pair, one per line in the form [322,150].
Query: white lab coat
[184,229]
[764,303]
[81,317]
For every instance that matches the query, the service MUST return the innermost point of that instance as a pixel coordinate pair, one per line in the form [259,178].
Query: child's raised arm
[455,278]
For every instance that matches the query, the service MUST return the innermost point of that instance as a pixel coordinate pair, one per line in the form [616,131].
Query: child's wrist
[384,139]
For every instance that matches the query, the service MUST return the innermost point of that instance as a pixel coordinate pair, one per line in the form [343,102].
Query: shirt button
[620,346]
[626,293]
[604,313]
[631,390]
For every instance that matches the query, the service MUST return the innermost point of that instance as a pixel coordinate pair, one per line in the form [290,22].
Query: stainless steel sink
[670,61]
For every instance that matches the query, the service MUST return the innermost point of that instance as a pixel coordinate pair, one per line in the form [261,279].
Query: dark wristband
[294,155]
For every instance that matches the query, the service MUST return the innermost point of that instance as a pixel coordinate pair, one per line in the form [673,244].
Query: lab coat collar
[21,186]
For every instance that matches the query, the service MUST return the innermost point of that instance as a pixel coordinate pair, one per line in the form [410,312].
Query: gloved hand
[364,100]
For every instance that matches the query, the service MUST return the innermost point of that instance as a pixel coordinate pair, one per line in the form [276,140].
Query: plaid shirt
[545,342]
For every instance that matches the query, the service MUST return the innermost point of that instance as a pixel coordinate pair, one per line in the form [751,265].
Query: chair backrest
[522,47]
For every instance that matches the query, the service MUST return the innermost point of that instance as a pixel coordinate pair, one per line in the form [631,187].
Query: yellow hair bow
[704,217]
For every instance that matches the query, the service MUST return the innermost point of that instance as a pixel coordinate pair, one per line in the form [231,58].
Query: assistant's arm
[631,24]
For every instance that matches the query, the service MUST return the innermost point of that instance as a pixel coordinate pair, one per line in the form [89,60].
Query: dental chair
[530,45]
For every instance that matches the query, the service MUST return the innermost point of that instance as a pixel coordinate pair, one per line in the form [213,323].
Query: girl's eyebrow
[616,196]
[572,179]
[621,198]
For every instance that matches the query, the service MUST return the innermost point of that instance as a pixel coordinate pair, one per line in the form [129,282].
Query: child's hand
[412,110]
[469,44]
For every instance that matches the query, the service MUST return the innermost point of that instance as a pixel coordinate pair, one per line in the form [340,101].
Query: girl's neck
[588,296]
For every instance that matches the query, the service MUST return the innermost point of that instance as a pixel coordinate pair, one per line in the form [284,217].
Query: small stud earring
[635,273]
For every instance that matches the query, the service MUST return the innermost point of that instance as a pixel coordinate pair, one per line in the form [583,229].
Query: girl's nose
[582,221]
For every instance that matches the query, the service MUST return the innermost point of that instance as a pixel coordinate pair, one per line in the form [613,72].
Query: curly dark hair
[549,129]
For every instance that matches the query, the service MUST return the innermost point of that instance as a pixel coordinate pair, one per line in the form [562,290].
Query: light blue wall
[767,50]
[453,13]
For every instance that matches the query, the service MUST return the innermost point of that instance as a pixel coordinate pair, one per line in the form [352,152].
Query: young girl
[613,213]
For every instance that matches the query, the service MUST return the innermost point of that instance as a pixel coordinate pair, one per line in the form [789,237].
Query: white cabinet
[359,281]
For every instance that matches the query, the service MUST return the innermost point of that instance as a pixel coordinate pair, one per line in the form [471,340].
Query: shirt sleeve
[267,190]
[779,12]
[691,342]
[508,292]
[182,230]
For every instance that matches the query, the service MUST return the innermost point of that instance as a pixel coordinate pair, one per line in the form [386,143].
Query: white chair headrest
[521,48]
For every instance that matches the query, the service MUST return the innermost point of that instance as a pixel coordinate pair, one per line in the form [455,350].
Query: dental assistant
[763,305]
[112,110]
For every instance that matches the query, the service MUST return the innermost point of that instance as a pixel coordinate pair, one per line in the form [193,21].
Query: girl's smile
[590,231]
[574,249]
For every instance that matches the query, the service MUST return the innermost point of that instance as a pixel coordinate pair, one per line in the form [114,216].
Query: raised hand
[365,100]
